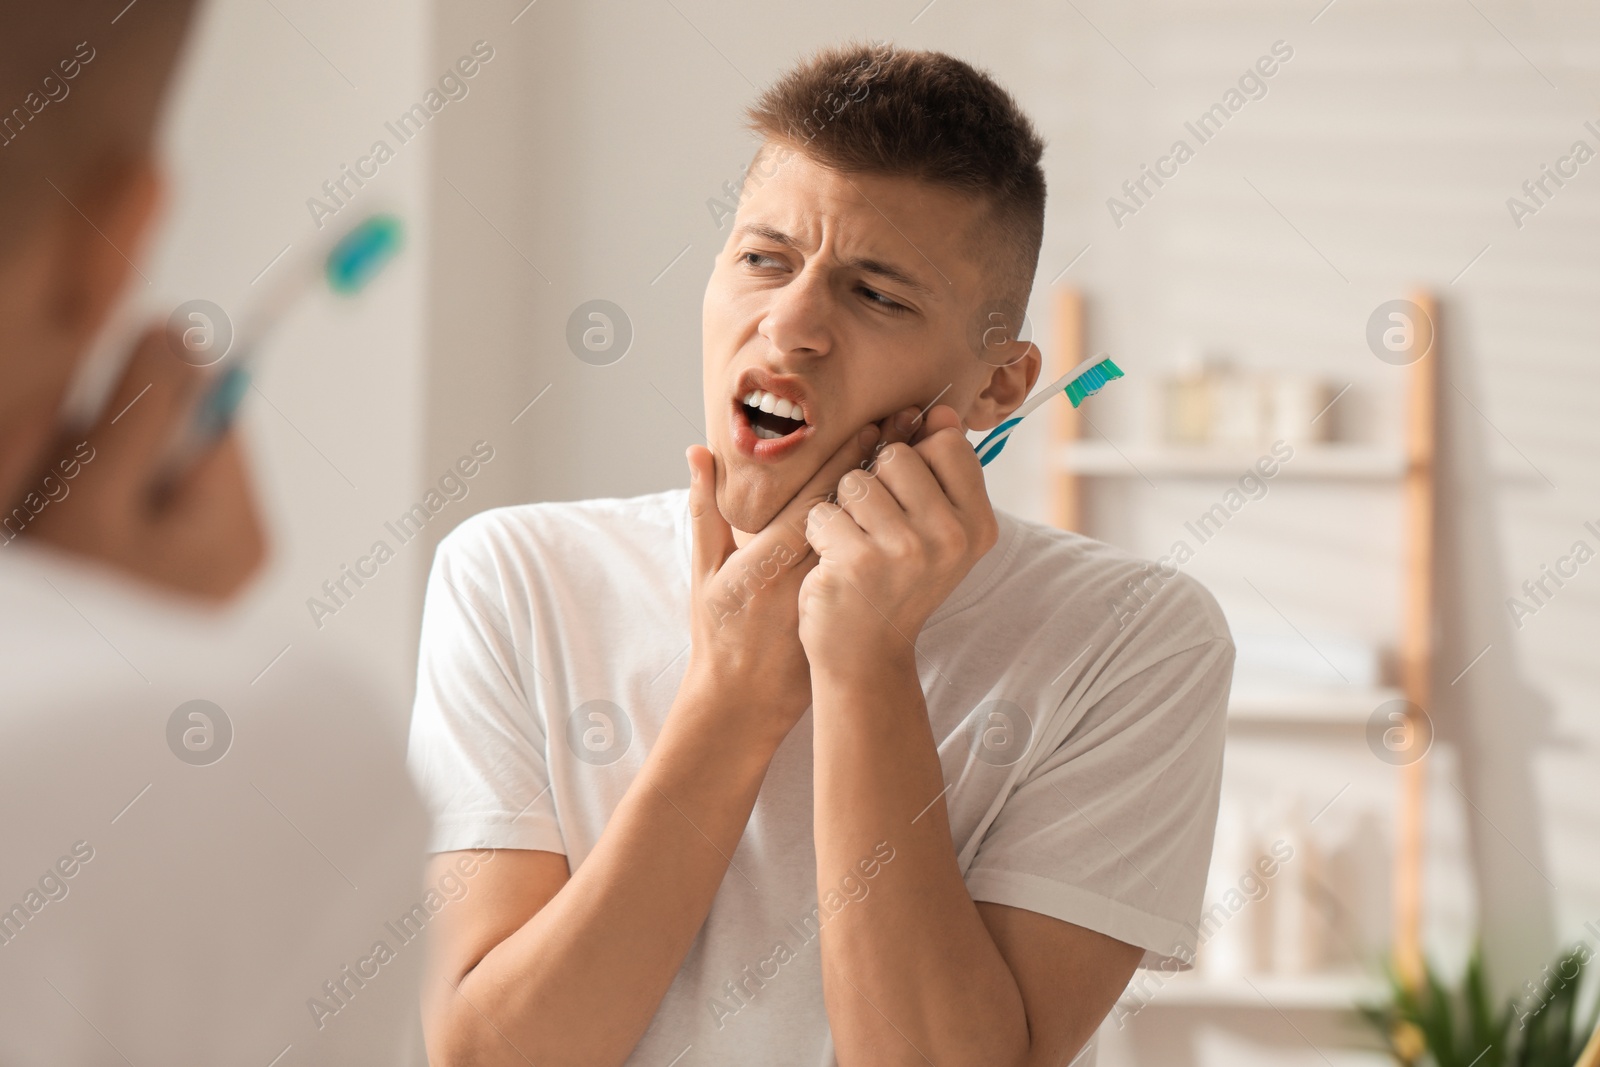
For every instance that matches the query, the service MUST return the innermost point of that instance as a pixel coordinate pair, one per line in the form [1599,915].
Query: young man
[775,779]
[181,845]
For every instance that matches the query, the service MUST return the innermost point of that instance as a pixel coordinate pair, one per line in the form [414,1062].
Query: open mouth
[771,417]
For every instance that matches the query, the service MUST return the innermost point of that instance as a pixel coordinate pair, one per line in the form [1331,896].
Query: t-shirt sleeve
[1113,830]
[477,745]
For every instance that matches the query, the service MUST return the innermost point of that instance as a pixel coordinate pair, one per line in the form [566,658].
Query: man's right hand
[203,536]
[744,613]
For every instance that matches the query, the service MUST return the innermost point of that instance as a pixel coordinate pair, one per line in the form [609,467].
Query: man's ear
[1012,369]
[100,235]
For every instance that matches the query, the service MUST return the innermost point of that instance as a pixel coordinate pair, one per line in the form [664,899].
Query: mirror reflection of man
[195,867]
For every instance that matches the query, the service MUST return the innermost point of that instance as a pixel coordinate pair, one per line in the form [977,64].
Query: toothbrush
[352,261]
[1083,381]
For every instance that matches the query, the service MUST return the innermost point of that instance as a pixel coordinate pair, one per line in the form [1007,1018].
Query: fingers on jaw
[825,481]
[155,386]
[700,459]
[702,477]
[943,417]
[906,421]
[900,426]
[945,441]
[819,515]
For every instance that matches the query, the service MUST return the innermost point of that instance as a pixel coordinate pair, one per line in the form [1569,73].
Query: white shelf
[1337,992]
[1309,707]
[1102,459]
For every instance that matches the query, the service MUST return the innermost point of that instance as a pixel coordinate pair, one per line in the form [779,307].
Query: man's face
[849,296]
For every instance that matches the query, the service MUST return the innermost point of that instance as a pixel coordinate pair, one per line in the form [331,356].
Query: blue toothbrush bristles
[1092,381]
[363,253]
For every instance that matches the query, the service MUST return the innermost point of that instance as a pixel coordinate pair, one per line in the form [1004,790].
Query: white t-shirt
[158,908]
[1080,727]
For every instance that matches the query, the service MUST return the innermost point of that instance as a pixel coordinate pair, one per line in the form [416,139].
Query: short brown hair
[876,109]
[81,84]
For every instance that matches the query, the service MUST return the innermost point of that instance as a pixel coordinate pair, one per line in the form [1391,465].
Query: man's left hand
[902,536]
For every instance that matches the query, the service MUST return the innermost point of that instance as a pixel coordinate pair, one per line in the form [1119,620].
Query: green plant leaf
[1460,1027]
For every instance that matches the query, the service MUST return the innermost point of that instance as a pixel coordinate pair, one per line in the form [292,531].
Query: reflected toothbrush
[347,267]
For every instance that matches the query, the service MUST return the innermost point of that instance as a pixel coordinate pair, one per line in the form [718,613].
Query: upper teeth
[776,405]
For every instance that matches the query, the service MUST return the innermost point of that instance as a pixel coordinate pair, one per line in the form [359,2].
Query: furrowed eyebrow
[866,266]
[891,272]
[776,236]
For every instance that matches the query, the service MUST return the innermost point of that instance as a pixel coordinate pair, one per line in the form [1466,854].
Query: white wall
[1390,143]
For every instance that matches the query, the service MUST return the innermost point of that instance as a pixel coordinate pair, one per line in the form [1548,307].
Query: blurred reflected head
[81,86]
